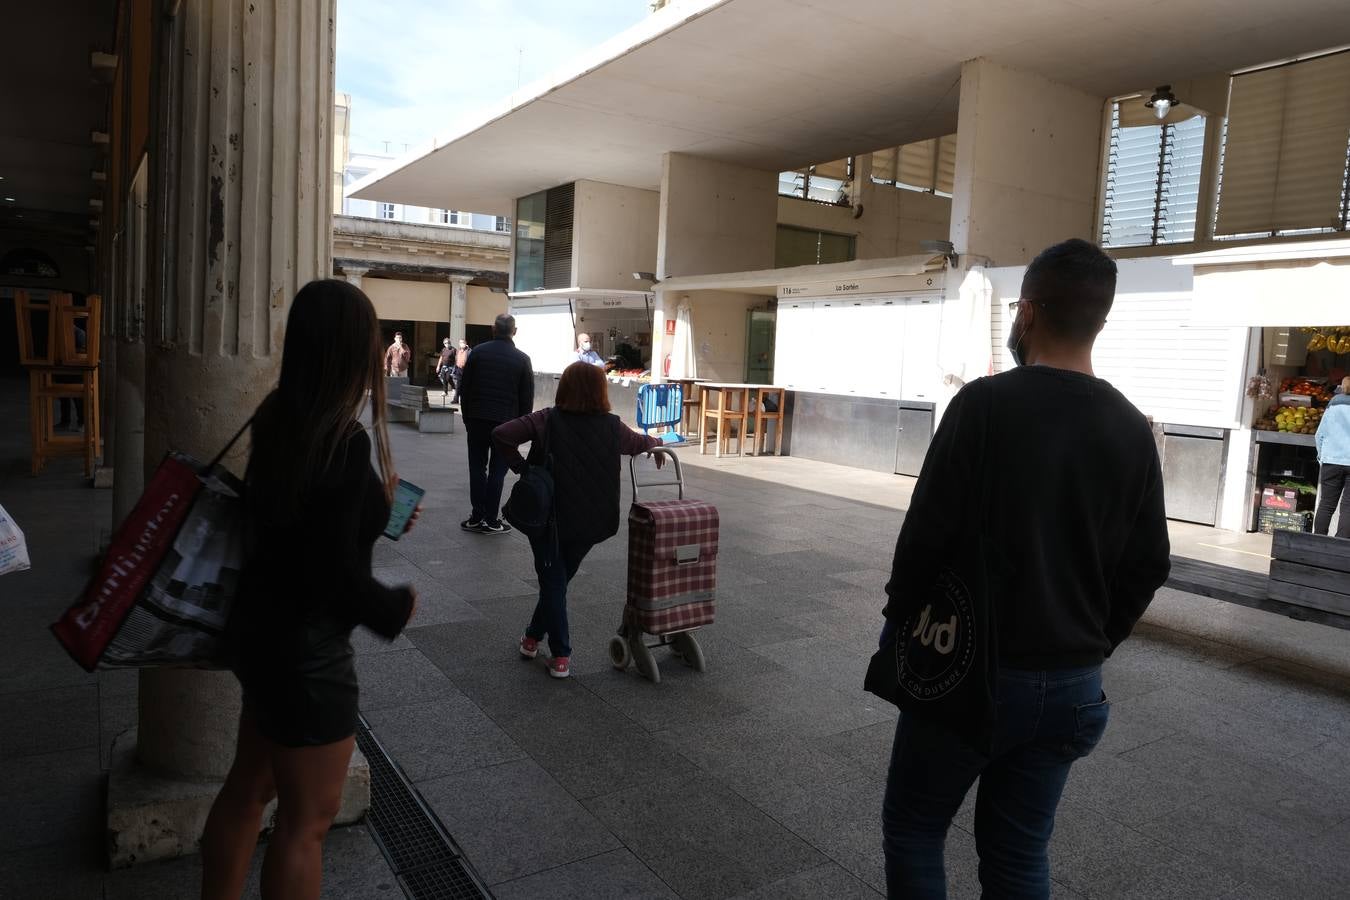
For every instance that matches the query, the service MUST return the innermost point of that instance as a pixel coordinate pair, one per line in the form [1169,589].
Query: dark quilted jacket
[497,384]
[585,451]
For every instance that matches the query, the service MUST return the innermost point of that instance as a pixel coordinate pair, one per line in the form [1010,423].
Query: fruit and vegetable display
[1334,338]
[1297,417]
[1319,391]
[641,376]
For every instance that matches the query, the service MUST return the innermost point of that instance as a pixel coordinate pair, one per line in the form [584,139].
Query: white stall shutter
[794,347]
[547,336]
[921,372]
[1152,350]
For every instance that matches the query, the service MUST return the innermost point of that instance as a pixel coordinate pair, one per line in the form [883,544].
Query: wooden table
[733,408]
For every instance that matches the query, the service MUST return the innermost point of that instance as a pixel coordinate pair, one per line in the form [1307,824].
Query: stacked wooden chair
[61,367]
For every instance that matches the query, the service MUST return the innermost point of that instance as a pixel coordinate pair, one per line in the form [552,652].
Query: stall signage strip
[845,287]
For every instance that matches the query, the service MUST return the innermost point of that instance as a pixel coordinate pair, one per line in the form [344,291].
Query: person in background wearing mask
[461,360]
[397,357]
[585,353]
[1075,504]
[445,367]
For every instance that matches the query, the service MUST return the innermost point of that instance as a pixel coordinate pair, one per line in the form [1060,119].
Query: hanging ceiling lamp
[1162,102]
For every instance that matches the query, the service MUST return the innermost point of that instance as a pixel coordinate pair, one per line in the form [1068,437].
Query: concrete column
[1027,156]
[459,305]
[714,217]
[353,274]
[247,97]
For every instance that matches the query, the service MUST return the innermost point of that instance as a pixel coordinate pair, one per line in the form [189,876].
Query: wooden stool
[763,417]
[44,391]
[693,404]
[731,410]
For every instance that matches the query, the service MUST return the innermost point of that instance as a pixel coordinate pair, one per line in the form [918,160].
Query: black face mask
[1014,342]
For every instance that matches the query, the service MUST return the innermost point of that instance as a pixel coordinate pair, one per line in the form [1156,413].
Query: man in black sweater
[1075,506]
[496,386]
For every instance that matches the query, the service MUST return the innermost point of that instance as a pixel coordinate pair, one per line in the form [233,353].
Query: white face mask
[398,340]
[585,345]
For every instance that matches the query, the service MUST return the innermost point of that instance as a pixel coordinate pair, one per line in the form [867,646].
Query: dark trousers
[1334,488]
[555,562]
[1046,720]
[487,471]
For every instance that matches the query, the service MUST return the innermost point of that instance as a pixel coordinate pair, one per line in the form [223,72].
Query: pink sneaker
[529,647]
[560,666]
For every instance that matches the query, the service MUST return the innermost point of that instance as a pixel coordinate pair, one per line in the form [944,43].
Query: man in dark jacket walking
[1063,474]
[496,386]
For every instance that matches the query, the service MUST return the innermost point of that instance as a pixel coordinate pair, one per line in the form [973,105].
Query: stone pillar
[459,306]
[1028,152]
[247,96]
[353,274]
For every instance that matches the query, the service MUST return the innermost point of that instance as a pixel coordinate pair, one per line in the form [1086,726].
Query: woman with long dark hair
[315,505]
[585,441]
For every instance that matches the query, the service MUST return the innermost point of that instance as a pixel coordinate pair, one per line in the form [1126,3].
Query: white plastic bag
[13,548]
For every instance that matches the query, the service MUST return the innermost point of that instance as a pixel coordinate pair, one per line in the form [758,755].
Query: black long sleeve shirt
[319,566]
[1069,489]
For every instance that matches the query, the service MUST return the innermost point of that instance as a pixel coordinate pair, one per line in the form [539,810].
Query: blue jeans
[487,471]
[555,564]
[1046,720]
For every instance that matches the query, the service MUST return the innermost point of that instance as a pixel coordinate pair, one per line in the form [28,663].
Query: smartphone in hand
[406,497]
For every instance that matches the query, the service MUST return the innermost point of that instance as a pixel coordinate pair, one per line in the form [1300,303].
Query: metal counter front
[863,432]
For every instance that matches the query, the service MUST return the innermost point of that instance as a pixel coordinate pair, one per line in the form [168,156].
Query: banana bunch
[1336,339]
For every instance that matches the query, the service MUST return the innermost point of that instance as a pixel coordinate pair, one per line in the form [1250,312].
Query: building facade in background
[431,273]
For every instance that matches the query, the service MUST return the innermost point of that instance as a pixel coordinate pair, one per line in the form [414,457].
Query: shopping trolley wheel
[643,658]
[686,645]
[618,652]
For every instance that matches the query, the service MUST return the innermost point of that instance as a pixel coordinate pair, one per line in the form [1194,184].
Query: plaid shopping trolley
[672,575]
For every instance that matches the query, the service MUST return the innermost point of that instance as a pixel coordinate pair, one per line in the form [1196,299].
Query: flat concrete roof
[777,84]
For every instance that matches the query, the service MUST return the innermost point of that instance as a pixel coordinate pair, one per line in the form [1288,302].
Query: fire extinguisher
[665,367]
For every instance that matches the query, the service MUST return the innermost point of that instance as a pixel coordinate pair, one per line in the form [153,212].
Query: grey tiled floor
[1224,772]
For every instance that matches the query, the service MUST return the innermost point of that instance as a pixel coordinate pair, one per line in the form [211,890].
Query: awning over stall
[1284,284]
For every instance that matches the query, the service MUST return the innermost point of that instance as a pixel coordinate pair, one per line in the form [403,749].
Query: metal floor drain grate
[423,856]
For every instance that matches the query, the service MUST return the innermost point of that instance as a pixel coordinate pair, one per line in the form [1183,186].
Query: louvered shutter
[1131,199]
[559,207]
[1183,156]
[1284,162]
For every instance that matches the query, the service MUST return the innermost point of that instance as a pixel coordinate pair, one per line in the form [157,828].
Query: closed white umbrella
[683,361]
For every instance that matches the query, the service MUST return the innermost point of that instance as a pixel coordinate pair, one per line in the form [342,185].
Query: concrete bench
[410,406]
[1310,574]
[404,401]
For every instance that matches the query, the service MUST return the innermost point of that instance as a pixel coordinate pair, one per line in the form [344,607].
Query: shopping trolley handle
[657,451]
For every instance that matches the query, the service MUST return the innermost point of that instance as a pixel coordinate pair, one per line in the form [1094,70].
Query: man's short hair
[504,326]
[398,334]
[1074,284]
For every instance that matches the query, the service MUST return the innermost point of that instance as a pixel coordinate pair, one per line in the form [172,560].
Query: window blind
[1284,161]
[946,163]
[915,166]
[883,165]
